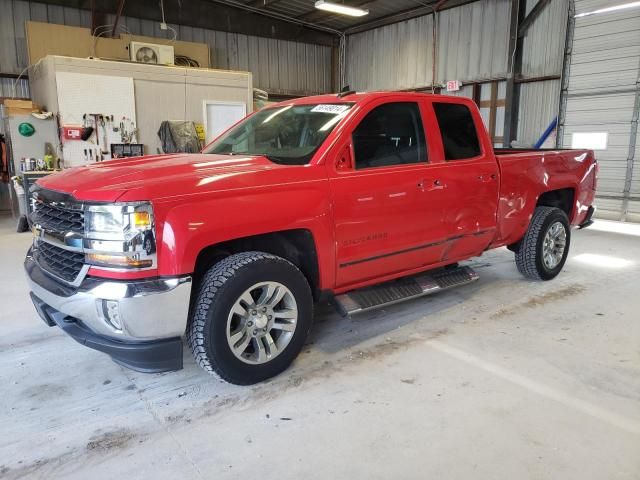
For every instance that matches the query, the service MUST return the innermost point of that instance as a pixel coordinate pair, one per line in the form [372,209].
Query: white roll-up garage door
[602,100]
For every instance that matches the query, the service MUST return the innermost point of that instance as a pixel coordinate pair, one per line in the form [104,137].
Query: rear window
[459,135]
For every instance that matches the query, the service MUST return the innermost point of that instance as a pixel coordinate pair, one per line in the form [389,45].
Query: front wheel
[251,317]
[543,250]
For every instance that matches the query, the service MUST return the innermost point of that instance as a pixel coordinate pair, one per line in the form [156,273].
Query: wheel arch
[296,245]
[561,198]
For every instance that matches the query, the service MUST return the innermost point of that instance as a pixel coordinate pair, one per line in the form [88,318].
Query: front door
[386,221]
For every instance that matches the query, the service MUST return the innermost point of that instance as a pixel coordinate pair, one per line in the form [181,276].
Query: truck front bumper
[139,323]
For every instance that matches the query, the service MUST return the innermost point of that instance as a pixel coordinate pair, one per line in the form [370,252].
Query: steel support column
[566,69]
[533,14]
[633,135]
[118,15]
[518,9]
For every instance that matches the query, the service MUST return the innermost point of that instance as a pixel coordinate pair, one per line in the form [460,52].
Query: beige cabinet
[160,93]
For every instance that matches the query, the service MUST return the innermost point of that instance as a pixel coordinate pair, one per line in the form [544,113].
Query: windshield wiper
[272,158]
[247,153]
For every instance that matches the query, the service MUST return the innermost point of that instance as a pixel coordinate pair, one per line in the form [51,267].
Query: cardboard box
[18,107]
[51,39]
[12,103]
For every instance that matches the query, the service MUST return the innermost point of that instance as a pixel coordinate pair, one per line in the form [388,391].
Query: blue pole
[546,133]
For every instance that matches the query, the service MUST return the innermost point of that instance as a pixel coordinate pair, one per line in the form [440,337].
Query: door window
[391,134]
[459,136]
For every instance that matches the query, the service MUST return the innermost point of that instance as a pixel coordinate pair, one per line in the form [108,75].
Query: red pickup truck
[365,199]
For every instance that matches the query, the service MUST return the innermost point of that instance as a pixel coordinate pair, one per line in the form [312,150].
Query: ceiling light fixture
[341,9]
[615,8]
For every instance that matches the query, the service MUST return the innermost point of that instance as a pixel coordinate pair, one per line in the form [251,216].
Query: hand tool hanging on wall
[129,130]
[96,122]
[105,142]
[87,130]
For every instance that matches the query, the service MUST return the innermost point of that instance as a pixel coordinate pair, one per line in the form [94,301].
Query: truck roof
[357,97]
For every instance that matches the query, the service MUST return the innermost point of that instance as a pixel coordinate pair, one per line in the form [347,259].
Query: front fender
[193,224]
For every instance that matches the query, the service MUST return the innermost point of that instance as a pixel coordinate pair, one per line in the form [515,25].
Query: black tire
[529,257]
[221,286]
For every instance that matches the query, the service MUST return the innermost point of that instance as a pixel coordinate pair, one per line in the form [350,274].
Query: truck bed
[526,174]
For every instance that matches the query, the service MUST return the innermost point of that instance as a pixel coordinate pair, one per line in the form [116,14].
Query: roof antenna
[346,90]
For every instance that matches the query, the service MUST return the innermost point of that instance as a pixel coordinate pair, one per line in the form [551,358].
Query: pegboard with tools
[99,132]
[101,109]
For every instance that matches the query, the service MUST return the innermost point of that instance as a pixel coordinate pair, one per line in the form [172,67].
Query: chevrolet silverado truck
[364,199]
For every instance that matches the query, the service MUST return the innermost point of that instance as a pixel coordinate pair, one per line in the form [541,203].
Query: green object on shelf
[48,161]
[26,129]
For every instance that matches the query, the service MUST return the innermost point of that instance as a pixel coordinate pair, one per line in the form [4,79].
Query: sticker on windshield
[329,108]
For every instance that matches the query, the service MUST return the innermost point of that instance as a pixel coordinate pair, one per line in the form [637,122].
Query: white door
[218,116]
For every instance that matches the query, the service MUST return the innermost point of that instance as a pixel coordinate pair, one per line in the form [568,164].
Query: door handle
[487,177]
[437,185]
[431,185]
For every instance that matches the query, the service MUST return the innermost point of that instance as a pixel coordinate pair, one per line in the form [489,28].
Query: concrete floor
[504,378]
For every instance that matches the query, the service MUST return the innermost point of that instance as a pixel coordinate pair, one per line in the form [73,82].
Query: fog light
[111,311]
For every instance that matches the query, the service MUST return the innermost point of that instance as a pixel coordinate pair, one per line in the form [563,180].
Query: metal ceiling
[305,11]
[296,20]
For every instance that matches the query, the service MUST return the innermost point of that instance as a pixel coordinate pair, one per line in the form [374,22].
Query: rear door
[469,177]
[382,210]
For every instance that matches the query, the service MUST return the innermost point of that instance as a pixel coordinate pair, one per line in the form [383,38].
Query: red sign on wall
[72,132]
[453,85]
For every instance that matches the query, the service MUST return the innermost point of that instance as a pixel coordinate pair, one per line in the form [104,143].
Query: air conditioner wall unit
[152,53]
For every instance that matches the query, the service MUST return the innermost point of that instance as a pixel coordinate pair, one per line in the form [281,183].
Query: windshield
[288,135]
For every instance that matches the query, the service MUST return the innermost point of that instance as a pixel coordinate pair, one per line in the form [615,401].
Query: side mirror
[345,159]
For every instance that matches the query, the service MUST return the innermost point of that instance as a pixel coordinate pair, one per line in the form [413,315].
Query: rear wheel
[251,318]
[543,250]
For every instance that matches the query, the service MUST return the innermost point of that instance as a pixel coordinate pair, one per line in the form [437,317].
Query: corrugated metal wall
[392,57]
[603,96]
[542,55]
[472,45]
[14,88]
[543,45]
[538,107]
[278,66]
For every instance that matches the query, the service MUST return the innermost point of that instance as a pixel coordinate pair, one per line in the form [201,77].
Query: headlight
[120,236]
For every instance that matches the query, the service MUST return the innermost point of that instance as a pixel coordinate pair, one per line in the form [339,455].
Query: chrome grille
[57,218]
[54,217]
[58,261]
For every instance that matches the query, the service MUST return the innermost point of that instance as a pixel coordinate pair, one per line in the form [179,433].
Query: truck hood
[158,176]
